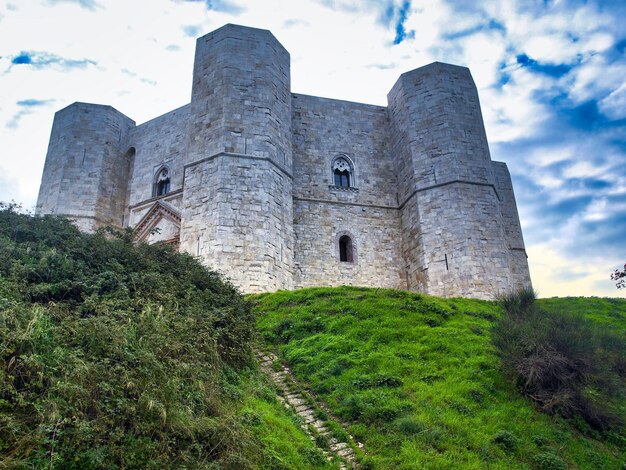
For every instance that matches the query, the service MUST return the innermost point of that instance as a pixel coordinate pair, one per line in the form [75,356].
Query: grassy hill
[116,355]
[121,356]
[417,380]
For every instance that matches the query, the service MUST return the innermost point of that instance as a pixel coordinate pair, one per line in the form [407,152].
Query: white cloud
[512,112]
[551,49]
[613,105]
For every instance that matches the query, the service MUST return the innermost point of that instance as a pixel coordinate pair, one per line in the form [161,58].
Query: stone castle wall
[251,189]
[160,141]
[87,166]
[322,130]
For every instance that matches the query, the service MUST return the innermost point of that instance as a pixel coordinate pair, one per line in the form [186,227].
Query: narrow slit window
[345,249]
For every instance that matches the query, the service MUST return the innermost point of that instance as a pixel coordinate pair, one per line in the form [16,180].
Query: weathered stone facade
[279,190]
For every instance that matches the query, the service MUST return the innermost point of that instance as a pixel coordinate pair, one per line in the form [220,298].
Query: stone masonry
[279,190]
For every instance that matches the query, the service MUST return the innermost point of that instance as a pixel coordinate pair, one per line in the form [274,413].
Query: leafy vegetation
[121,356]
[563,361]
[619,276]
[418,381]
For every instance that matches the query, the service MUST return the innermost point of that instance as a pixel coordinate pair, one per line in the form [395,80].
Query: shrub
[549,461]
[379,380]
[409,426]
[322,441]
[539,440]
[506,440]
[477,330]
[313,456]
[114,354]
[352,407]
[564,362]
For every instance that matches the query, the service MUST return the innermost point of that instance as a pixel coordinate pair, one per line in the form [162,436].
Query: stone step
[298,402]
[339,446]
[318,423]
[305,413]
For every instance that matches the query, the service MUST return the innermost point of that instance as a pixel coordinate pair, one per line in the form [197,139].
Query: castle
[279,190]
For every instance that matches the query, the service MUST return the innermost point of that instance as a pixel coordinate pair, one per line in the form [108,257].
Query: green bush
[409,426]
[549,461]
[116,355]
[506,440]
[564,362]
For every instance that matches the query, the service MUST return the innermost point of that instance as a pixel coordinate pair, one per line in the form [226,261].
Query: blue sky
[551,77]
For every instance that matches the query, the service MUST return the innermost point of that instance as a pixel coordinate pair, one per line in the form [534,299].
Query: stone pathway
[301,403]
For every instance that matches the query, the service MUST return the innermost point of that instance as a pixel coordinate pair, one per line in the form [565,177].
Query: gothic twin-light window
[162,182]
[343,172]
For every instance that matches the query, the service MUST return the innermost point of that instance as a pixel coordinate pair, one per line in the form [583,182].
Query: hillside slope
[114,355]
[417,380]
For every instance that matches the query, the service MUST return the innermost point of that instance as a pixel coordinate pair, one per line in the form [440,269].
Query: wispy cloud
[192,31]
[26,107]
[31,102]
[293,22]
[392,14]
[41,60]
[382,66]
[87,4]
[488,25]
[553,70]
[225,6]
[401,32]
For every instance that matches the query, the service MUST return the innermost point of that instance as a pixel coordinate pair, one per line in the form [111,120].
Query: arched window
[346,252]
[162,182]
[343,172]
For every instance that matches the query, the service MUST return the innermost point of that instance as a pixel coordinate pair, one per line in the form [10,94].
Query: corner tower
[454,234]
[87,167]
[237,205]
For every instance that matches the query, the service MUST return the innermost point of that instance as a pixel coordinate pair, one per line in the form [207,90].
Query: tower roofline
[428,68]
[239,31]
[95,106]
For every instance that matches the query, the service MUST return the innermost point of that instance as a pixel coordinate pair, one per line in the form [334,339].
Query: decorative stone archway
[161,224]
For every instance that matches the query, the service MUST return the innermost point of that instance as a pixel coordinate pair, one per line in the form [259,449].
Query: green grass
[275,439]
[418,381]
[607,311]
